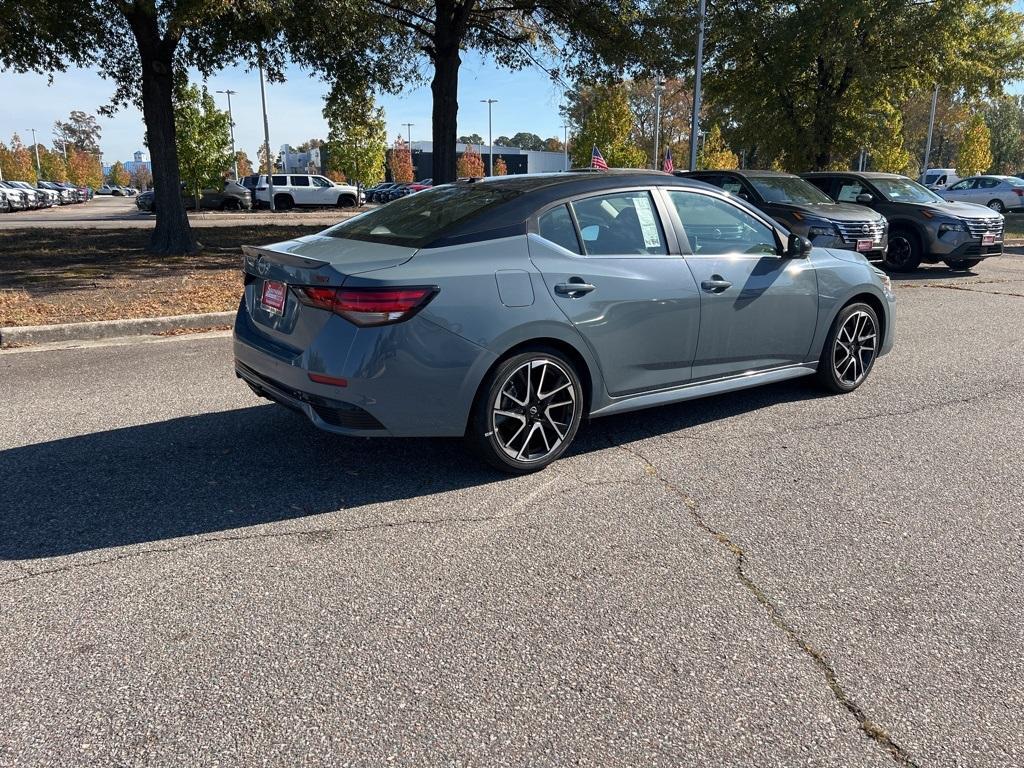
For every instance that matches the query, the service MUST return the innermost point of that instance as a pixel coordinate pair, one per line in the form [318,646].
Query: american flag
[596,161]
[668,166]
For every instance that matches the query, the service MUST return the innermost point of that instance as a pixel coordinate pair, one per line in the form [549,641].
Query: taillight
[369,306]
[1018,191]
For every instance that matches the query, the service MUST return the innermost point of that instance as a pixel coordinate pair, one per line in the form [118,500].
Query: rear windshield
[788,189]
[415,220]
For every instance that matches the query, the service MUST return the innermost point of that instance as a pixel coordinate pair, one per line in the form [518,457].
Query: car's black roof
[861,174]
[535,191]
[735,172]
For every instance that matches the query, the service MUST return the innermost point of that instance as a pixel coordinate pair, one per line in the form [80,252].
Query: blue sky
[528,101]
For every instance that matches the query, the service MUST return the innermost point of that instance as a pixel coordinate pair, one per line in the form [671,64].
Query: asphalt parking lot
[191,576]
[109,212]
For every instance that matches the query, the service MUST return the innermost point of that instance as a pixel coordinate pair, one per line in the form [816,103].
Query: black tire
[283,202]
[346,201]
[962,264]
[833,370]
[997,206]
[905,251]
[551,422]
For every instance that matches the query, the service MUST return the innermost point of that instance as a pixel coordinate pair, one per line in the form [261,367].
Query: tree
[84,170]
[244,164]
[53,164]
[18,163]
[814,71]
[261,156]
[80,131]
[357,138]
[473,138]
[676,106]
[143,47]
[602,118]
[512,32]
[203,138]
[470,165]
[554,144]
[141,178]
[975,155]
[400,162]
[1005,119]
[118,176]
[524,140]
[714,154]
[500,169]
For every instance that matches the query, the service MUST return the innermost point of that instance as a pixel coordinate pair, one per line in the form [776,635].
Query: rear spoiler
[253,253]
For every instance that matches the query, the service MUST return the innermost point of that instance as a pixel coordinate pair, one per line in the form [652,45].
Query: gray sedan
[1000,193]
[509,310]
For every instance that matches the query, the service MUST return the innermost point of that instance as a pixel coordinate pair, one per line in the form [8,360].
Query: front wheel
[527,412]
[346,201]
[850,349]
[997,206]
[904,253]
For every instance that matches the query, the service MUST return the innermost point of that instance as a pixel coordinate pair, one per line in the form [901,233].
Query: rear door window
[300,181]
[556,226]
[618,224]
[849,189]
[280,181]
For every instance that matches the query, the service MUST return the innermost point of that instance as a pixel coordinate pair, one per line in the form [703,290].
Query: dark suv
[803,209]
[922,226]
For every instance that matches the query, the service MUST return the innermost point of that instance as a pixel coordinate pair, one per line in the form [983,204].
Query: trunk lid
[314,260]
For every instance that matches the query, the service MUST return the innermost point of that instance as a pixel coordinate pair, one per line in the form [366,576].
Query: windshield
[901,190]
[931,178]
[416,219]
[788,189]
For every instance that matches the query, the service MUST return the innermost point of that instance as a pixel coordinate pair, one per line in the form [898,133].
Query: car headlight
[822,228]
[952,226]
[886,282]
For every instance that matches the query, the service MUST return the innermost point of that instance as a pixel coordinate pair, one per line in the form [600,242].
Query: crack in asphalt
[972,290]
[316,534]
[867,726]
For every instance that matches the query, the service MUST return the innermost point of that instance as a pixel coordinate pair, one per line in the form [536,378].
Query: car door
[962,190]
[759,309]
[324,191]
[302,191]
[611,266]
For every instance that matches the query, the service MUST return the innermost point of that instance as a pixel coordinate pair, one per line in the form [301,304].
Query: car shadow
[231,469]
[932,272]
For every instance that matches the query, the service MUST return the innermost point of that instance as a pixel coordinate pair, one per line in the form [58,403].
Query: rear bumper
[411,379]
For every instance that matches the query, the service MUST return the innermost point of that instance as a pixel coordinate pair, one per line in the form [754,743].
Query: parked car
[28,198]
[231,197]
[13,199]
[305,189]
[510,309]
[65,195]
[45,197]
[371,192]
[922,226]
[397,191]
[803,208]
[939,178]
[108,189]
[1000,193]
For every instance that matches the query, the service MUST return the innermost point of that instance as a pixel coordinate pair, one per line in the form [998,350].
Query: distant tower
[140,156]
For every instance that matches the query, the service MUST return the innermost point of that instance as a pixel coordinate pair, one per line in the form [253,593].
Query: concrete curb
[109,329]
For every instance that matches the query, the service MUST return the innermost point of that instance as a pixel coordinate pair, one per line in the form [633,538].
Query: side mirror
[865,197]
[798,247]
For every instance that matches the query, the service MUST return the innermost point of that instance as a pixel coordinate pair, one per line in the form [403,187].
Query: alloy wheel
[533,410]
[855,347]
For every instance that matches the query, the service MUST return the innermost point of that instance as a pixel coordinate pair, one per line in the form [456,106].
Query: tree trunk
[172,234]
[445,88]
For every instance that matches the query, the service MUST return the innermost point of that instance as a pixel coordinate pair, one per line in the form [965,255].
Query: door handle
[574,288]
[716,284]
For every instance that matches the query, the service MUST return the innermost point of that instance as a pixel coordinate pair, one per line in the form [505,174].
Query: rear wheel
[346,201]
[997,206]
[527,412]
[850,349]
[904,254]
[283,202]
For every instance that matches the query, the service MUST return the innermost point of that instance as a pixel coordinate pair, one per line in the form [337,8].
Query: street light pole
[565,143]
[659,88]
[266,140]
[490,134]
[231,121]
[39,168]
[695,118]
[408,134]
[931,127]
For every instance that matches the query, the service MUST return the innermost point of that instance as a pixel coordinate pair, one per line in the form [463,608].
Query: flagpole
[695,118]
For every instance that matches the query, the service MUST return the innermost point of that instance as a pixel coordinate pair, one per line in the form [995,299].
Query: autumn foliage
[400,162]
[470,164]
